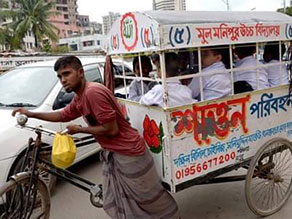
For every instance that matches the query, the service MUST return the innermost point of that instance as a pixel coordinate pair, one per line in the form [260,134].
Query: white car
[36,87]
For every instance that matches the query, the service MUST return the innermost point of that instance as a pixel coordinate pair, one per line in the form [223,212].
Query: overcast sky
[98,8]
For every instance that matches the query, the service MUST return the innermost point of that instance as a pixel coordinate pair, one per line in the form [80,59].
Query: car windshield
[26,86]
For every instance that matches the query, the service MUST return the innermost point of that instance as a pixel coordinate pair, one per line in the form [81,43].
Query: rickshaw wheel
[268,183]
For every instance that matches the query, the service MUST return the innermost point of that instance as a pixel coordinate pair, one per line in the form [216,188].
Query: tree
[7,38]
[61,49]
[31,15]
[4,4]
[47,47]
[2,37]
[288,10]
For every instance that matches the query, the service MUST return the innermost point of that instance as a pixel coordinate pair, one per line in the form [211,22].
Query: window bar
[257,66]
[163,77]
[124,79]
[289,59]
[280,60]
[231,69]
[200,71]
[141,74]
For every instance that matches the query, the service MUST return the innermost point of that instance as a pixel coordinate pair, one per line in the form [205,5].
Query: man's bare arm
[47,116]
[107,129]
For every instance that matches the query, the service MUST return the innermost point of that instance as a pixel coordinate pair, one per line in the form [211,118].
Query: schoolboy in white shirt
[247,60]
[277,74]
[214,86]
[135,89]
[178,94]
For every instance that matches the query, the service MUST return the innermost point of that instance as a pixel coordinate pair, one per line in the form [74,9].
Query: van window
[118,70]
[93,74]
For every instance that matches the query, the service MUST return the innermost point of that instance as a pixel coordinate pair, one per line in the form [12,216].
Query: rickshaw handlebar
[21,123]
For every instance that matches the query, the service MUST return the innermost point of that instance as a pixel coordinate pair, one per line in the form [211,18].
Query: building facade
[84,20]
[66,18]
[89,28]
[95,27]
[85,24]
[169,5]
[108,21]
[89,43]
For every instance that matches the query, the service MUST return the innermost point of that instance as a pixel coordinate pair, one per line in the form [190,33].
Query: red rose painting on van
[153,134]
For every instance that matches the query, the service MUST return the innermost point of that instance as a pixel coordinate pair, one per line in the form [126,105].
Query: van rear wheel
[268,184]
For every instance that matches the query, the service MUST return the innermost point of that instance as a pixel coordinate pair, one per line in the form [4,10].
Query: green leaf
[161,133]
[156,150]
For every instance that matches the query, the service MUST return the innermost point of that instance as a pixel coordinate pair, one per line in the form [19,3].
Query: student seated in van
[135,89]
[178,94]
[276,73]
[188,64]
[245,54]
[214,86]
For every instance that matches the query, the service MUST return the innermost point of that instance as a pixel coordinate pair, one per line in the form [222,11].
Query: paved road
[217,201]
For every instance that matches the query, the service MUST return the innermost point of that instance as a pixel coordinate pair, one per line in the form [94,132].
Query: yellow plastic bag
[64,151]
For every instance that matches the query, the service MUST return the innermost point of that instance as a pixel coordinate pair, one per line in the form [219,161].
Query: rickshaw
[200,142]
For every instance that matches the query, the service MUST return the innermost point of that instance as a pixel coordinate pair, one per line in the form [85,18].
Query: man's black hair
[223,51]
[272,49]
[154,57]
[172,64]
[65,61]
[245,50]
[144,59]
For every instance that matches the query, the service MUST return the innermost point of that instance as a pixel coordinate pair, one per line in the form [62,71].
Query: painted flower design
[153,134]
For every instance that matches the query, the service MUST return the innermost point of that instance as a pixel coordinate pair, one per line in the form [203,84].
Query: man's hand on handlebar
[73,129]
[21,111]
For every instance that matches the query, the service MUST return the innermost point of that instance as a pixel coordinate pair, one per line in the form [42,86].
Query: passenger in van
[186,65]
[245,54]
[214,86]
[277,74]
[184,61]
[135,89]
[178,94]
